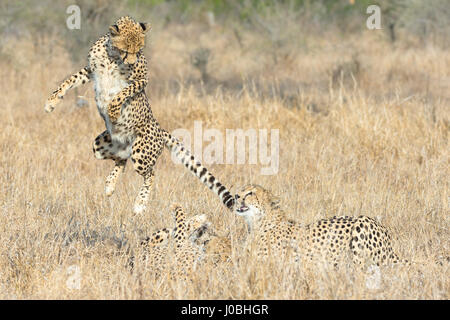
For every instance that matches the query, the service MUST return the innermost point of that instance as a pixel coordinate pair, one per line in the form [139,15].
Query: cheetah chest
[110,78]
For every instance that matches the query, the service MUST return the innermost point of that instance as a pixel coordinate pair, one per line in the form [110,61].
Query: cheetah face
[253,203]
[197,227]
[128,37]
[250,203]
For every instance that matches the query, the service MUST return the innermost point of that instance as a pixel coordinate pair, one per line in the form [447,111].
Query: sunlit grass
[373,142]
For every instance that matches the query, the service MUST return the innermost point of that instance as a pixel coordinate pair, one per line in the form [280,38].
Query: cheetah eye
[201,232]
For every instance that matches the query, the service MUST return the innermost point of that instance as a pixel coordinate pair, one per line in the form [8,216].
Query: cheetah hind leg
[140,203]
[112,178]
[145,151]
[105,148]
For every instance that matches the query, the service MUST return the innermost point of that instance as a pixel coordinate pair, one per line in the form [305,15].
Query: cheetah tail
[400,261]
[197,169]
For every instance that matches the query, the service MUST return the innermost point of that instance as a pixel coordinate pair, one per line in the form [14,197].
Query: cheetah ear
[145,26]
[114,29]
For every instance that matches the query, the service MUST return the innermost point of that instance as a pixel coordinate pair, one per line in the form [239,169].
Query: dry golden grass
[373,142]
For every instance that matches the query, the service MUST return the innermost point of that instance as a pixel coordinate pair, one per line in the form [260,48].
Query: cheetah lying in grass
[181,249]
[176,249]
[360,239]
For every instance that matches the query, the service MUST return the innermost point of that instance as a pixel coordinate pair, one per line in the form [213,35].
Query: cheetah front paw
[113,116]
[114,110]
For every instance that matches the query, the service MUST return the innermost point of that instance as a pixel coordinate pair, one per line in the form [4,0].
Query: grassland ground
[363,130]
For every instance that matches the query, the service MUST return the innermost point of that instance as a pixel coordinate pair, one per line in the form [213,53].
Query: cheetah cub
[360,239]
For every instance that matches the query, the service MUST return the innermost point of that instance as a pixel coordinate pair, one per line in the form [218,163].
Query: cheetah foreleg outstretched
[81,77]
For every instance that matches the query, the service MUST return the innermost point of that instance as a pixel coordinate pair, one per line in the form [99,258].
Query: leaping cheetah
[118,68]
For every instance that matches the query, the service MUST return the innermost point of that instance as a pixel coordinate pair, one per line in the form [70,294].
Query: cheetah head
[254,202]
[197,227]
[128,37]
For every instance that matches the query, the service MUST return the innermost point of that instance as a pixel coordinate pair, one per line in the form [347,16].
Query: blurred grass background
[428,21]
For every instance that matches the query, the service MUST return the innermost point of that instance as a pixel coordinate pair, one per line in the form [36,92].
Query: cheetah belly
[107,83]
